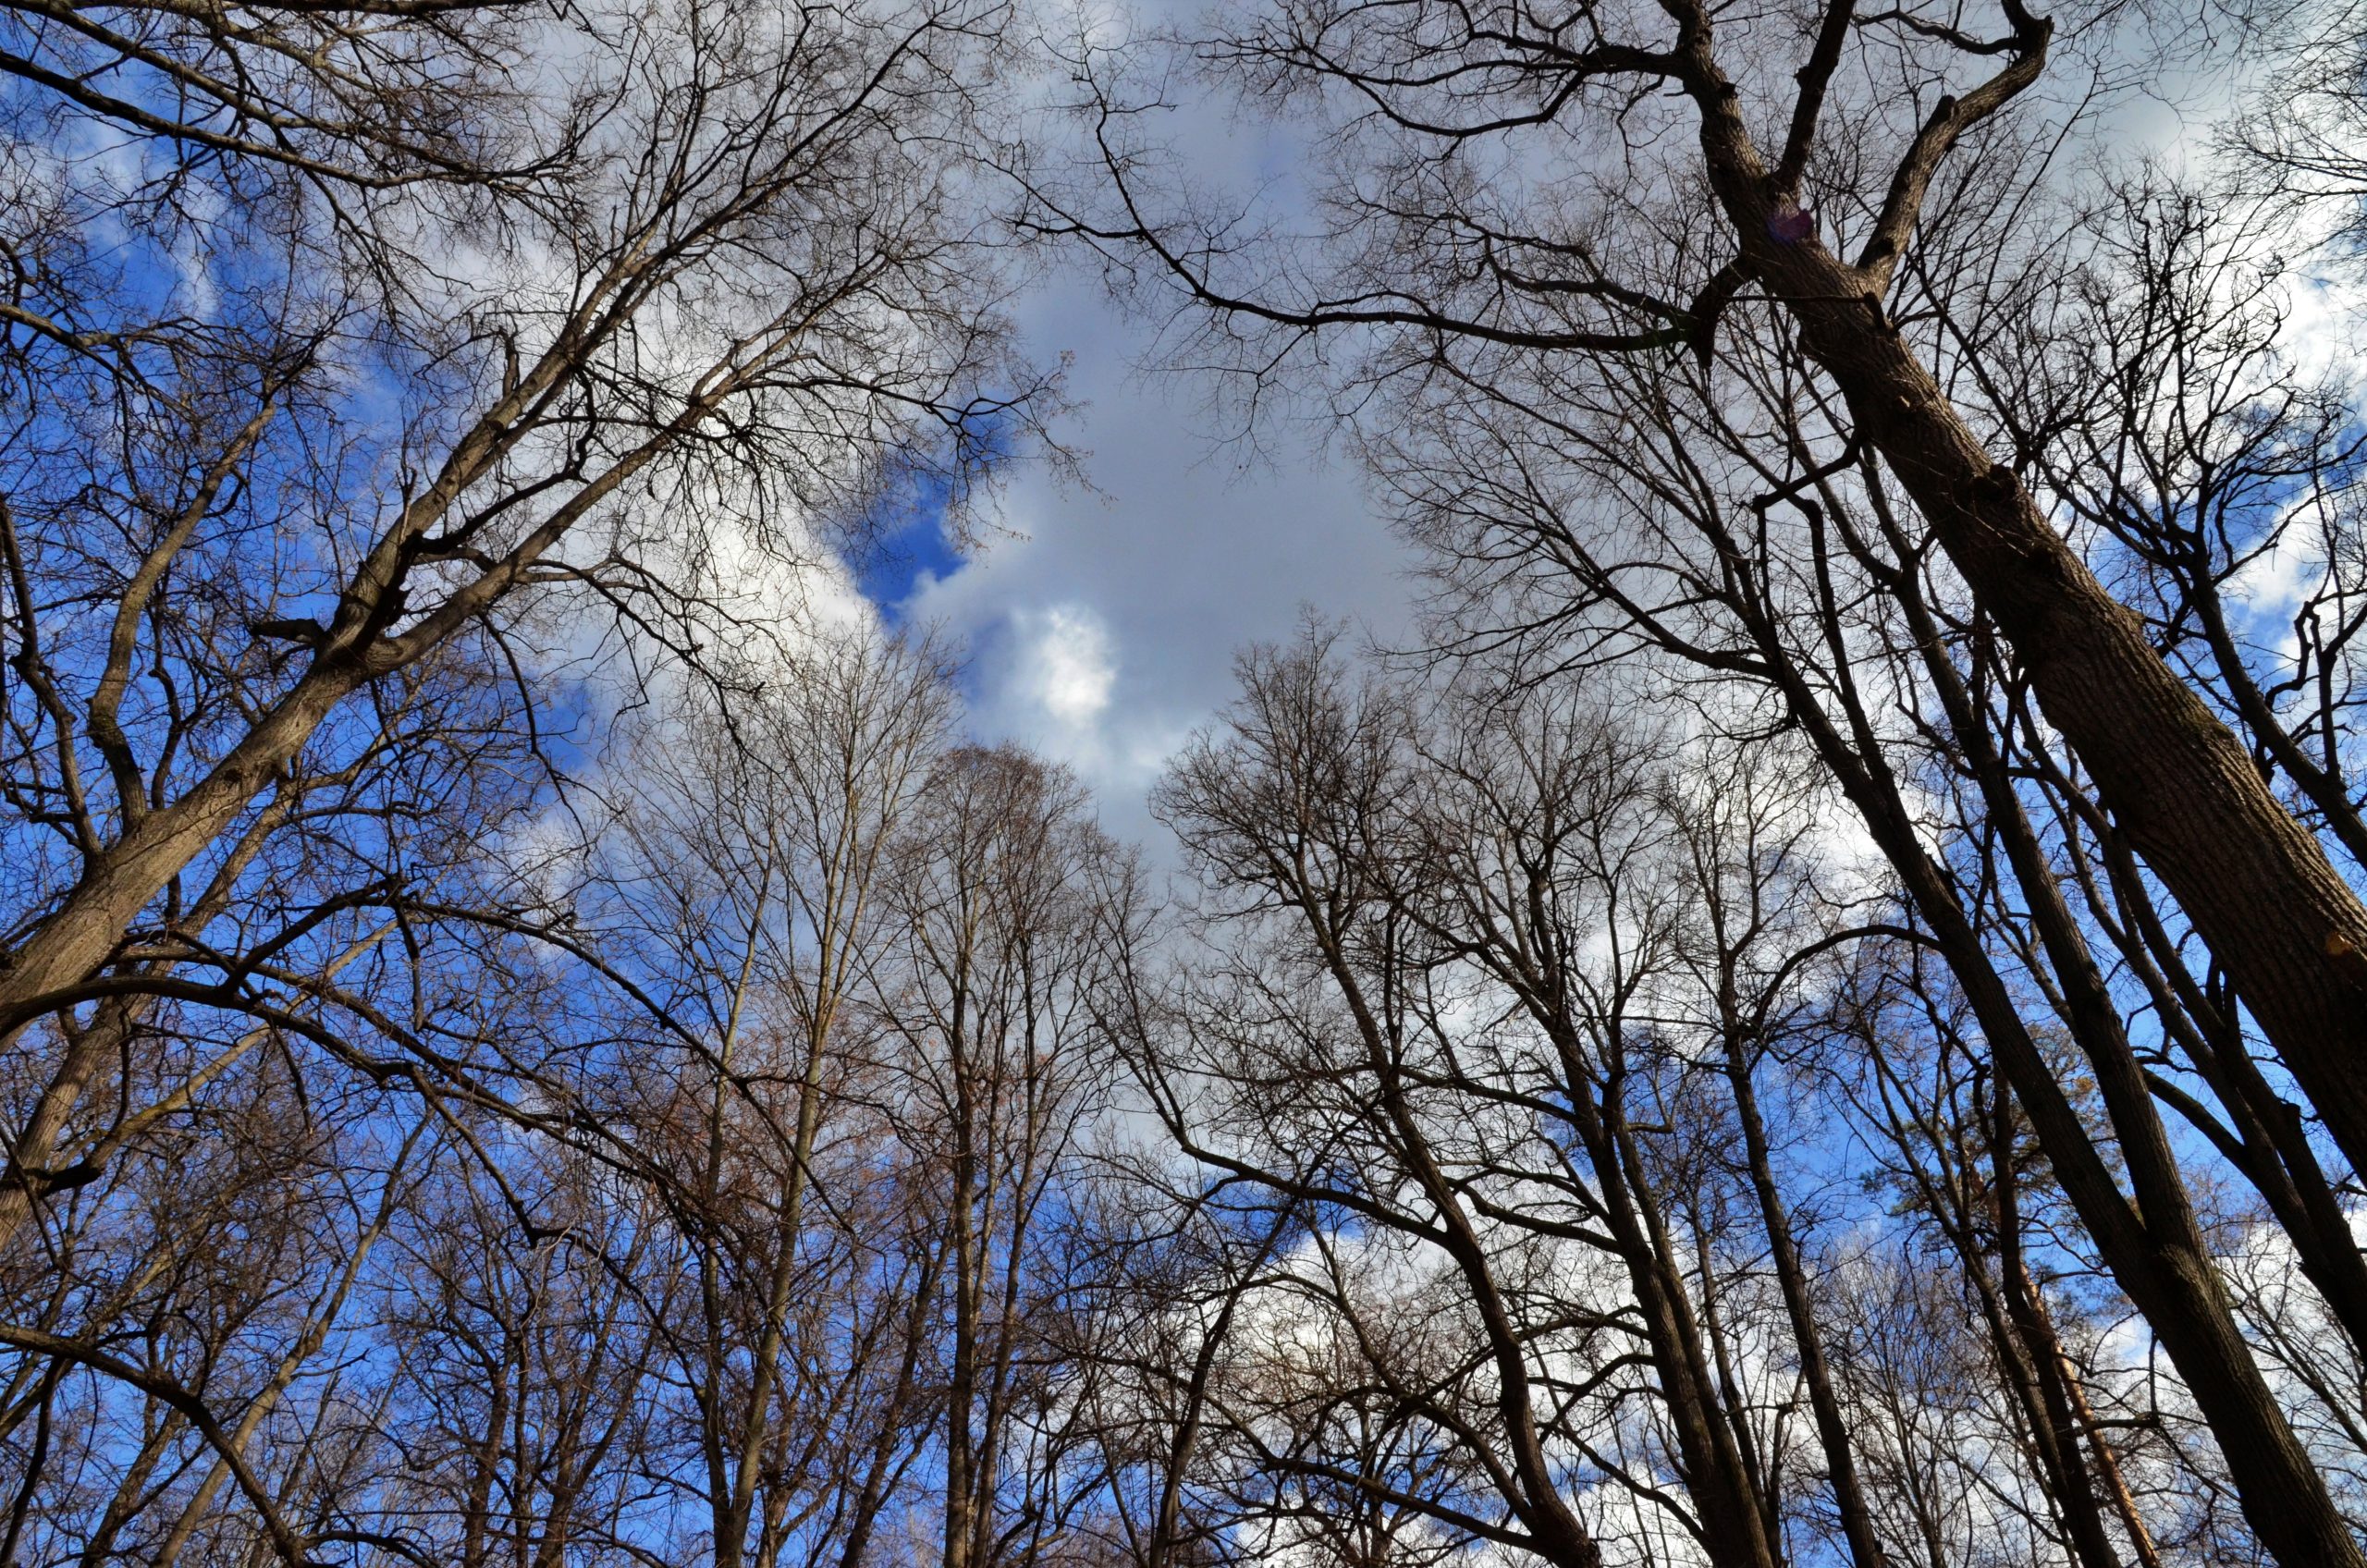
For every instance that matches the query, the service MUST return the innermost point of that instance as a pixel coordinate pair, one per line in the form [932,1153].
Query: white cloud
[1067,667]
[1101,625]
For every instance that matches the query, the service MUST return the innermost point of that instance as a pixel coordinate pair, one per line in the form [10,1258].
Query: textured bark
[86,929]
[2256,883]
[2257,886]
[2154,1254]
[80,935]
[30,1174]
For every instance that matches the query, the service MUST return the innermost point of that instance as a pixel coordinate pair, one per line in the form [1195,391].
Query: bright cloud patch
[1067,667]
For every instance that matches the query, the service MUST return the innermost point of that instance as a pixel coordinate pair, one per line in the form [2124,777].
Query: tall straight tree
[1002,890]
[741,883]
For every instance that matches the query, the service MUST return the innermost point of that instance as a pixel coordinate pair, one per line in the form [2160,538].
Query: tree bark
[2256,883]
[2155,1258]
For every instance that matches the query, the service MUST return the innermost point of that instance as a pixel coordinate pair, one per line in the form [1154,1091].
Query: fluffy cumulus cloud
[1100,622]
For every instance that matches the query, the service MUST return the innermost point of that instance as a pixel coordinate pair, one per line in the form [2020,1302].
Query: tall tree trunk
[880,1469]
[738,1506]
[2153,1255]
[2107,1463]
[1561,1537]
[2256,883]
[2033,1348]
[128,1499]
[962,1392]
[1733,1520]
[1832,1431]
[2154,1246]
[2078,1421]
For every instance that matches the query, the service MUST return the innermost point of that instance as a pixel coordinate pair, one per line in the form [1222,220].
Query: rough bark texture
[2255,883]
[2154,1256]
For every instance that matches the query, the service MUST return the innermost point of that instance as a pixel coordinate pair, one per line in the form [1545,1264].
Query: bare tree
[456,441]
[1505,980]
[719,914]
[1804,160]
[1796,525]
[1003,891]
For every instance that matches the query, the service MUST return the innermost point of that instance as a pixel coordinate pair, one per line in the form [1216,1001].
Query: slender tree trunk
[308,1344]
[1949,1196]
[739,1505]
[1832,1431]
[2034,1350]
[1177,1462]
[128,1499]
[1732,1520]
[36,1462]
[477,1514]
[730,1527]
[2039,1396]
[1561,1537]
[880,1469]
[1732,1517]
[2274,1150]
[2079,1419]
[961,1390]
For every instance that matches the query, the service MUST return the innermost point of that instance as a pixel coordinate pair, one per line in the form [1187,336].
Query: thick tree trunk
[2256,883]
[28,1176]
[2257,886]
[89,922]
[117,885]
[2155,1257]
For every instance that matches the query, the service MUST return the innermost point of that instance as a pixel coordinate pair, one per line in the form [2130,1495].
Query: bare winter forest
[1812,1009]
